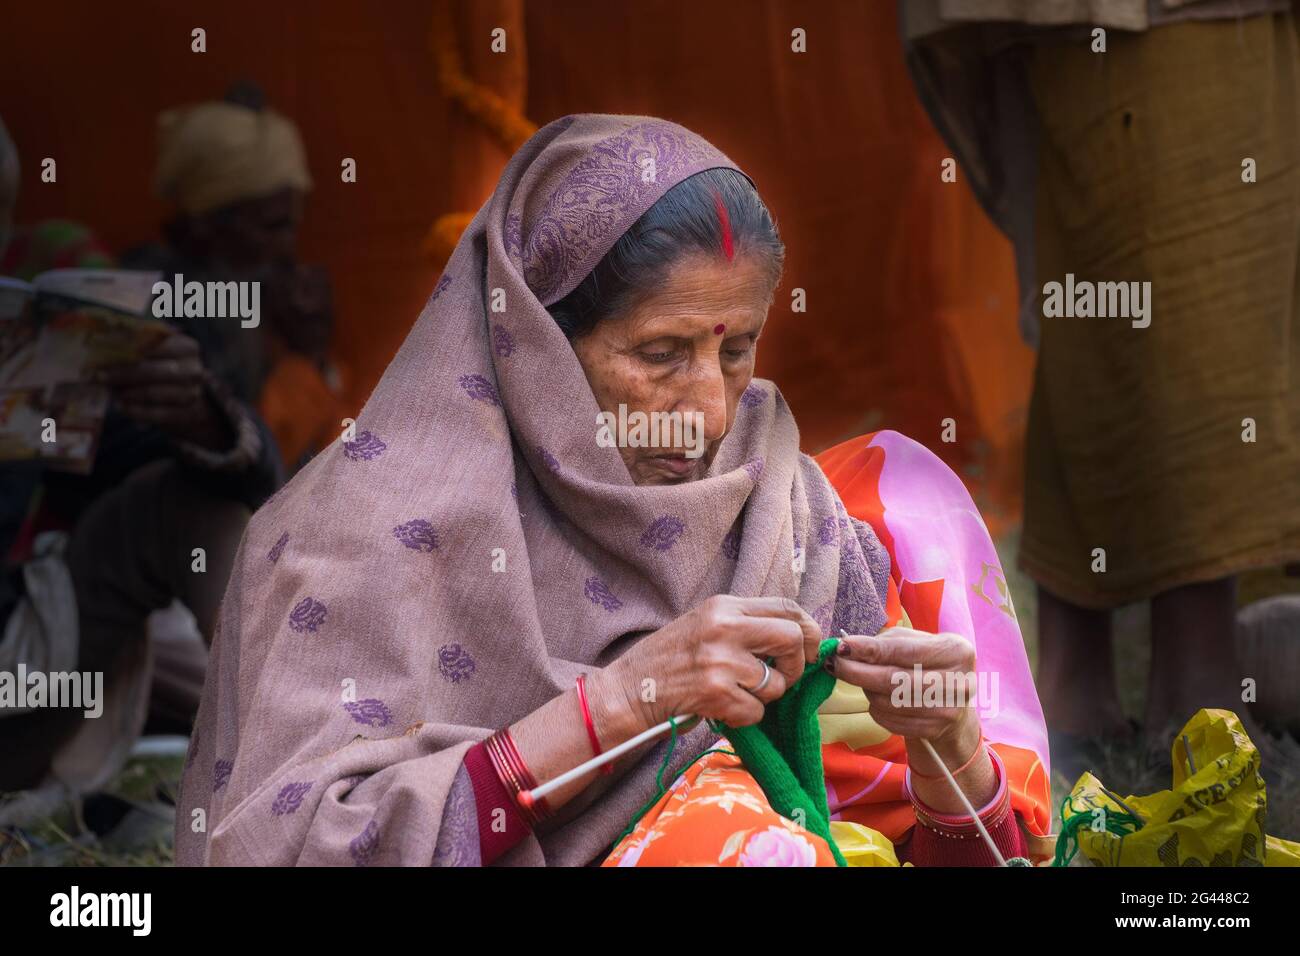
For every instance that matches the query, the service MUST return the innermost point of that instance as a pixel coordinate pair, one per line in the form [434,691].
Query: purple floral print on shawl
[443,281]
[458,836]
[731,545]
[367,446]
[873,552]
[598,593]
[754,469]
[455,663]
[307,615]
[503,343]
[753,396]
[825,616]
[417,534]
[480,389]
[278,548]
[221,771]
[365,846]
[663,533]
[859,602]
[372,712]
[513,236]
[549,460]
[826,533]
[592,200]
[289,799]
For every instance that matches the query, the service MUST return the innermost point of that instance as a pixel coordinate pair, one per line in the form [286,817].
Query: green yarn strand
[1067,842]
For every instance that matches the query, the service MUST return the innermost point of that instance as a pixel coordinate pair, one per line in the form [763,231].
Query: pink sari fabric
[461,556]
[946,576]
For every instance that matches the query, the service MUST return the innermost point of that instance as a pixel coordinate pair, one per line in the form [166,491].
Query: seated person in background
[181,464]
[237,174]
[485,559]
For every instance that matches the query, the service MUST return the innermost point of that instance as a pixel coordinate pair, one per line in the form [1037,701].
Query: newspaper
[55,333]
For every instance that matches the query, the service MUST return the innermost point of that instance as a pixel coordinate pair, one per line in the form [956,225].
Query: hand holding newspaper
[56,332]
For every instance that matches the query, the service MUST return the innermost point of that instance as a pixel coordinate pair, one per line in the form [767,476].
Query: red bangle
[596,750]
[961,826]
[501,823]
[515,776]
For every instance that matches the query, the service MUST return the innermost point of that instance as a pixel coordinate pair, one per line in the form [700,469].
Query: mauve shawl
[469,550]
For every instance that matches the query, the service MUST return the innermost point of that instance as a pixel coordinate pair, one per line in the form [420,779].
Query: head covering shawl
[470,549]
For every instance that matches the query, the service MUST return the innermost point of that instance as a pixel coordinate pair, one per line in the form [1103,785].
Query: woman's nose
[710,400]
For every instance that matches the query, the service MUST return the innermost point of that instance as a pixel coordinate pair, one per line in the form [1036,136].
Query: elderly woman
[474,592]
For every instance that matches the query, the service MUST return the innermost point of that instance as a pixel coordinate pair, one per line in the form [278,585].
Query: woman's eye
[658,358]
[740,350]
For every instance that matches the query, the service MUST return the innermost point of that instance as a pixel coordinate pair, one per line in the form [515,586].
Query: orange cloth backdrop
[910,291]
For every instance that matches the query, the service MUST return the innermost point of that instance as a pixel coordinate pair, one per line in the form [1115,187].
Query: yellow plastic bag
[1213,816]
[863,846]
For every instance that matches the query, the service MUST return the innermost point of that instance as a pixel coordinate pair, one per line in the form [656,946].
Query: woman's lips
[678,465]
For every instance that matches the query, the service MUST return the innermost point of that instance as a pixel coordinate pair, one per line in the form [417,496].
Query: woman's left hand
[885,668]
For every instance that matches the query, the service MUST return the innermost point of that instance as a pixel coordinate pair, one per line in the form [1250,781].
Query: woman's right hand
[703,662]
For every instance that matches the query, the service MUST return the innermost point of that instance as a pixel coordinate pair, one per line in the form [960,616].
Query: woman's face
[686,346]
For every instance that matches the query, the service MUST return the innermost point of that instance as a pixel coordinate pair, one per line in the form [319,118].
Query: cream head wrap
[215,154]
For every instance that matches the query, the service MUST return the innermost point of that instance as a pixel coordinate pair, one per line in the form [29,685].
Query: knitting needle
[595,763]
[952,782]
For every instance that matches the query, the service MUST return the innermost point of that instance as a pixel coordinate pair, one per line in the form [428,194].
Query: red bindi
[719,329]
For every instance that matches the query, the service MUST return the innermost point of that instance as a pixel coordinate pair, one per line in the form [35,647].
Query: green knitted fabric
[784,750]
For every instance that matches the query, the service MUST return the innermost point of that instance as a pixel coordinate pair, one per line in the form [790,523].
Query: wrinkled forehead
[588,186]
